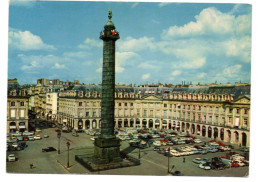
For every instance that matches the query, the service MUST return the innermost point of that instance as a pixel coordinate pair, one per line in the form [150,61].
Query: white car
[15,145]
[37,137]
[205,166]
[157,143]
[31,138]
[45,135]
[197,141]
[26,133]
[11,158]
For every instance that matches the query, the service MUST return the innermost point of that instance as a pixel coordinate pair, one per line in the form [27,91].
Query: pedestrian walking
[183,160]
[31,165]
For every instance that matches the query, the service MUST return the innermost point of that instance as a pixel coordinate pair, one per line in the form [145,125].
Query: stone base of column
[106,156]
[107,150]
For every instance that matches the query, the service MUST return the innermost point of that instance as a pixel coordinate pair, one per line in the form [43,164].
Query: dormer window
[12,103]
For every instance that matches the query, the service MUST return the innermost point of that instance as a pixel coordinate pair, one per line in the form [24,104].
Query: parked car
[244,149]
[11,158]
[15,145]
[197,141]
[156,148]
[31,138]
[37,137]
[46,135]
[200,160]
[240,163]
[206,166]
[57,130]
[176,173]
[157,143]
[235,164]
[48,149]
[22,145]
[27,133]
[25,138]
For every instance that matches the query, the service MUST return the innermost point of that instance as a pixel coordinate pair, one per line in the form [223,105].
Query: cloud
[162,4]
[176,72]
[24,3]
[202,75]
[26,41]
[135,4]
[91,43]
[78,54]
[41,62]
[58,66]
[146,76]
[211,22]
[232,71]
[135,45]
[150,65]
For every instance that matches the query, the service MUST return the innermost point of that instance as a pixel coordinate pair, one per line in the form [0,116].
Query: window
[199,108]
[132,104]
[230,110]
[245,121]
[165,105]
[87,113]
[12,103]
[194,107]
[245,111]
[145,113]
[22,113]
[120,112]
[151,113]
[119,104]
[132,112]
[12,113]
[165,113]
[94,113]
[138,112]
[80,103]
[21,103]
[125,104]
[238,111]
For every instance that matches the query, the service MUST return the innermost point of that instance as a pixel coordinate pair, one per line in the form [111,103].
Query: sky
[159,41]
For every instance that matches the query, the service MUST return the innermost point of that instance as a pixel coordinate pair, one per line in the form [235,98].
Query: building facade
[221,113]
[17,112]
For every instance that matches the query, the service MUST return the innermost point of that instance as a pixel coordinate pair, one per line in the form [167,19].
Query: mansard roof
[236,91]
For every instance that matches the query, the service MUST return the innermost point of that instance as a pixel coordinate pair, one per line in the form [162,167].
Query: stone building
[217,112]
[17,108]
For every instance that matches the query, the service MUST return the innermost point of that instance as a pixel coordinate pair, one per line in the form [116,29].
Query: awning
[21,127]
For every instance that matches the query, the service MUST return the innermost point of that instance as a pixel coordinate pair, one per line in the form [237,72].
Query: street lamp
[68,145]
[139,155]
[59,135]
[169,160]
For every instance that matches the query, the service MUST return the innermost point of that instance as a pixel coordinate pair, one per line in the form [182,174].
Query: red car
[235,164]
[57,130]
[25,138]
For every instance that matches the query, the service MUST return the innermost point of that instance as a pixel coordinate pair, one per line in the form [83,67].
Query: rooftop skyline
[160,42]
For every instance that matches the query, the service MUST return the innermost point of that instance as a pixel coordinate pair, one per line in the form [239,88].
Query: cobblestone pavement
[152,163]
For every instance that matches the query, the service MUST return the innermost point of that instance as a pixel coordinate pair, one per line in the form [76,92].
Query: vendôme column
[107,146]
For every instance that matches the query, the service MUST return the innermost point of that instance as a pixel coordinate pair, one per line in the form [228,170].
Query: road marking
[155,163]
